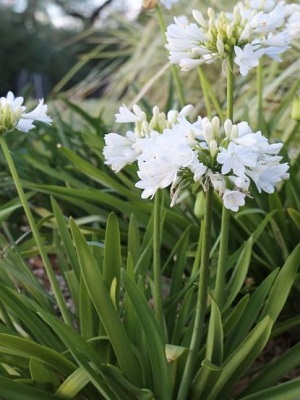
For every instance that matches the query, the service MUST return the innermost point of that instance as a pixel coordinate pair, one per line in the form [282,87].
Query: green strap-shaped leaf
[112,255]
[27,348]
[153,334]
[240,272]
[285,391]
[240,360]
[41,373]
[87,358]
[214,341]
[73,384]
[295,215]
[14,390]
[97,175]
[63,229]
[100,296]
[282,285]
[249,316]
[275,370]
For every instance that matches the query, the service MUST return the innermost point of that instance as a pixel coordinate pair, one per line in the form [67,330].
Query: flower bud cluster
[176,153]
[13,115]
[254,28]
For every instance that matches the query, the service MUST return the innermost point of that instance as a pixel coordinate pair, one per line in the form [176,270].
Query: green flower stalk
[13,116]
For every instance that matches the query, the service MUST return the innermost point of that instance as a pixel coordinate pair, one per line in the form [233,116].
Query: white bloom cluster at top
[13,115]
[254,28]
[171,151]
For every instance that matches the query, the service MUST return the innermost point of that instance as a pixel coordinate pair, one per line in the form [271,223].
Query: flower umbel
[13,115]
[172,152]
[249,32]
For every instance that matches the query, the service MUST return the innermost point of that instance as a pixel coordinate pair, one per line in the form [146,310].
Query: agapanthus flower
[120,150]
[252,30]
[183,155]
[13,115]
[292,14]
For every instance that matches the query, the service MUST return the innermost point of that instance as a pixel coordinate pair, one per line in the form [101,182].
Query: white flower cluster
[13,115]
[181,154]
[254,28]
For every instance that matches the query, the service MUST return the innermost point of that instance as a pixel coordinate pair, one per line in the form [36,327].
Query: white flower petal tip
[13,115]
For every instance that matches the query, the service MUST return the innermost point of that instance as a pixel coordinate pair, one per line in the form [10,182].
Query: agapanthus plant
[171,151]
[13,115]
[252,30]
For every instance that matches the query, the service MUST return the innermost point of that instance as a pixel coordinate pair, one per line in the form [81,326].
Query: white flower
[183,155]
[125,115]
[236,158]
[13,115]
[118,150]
[161,158]
[292,13]
[253,29]
[266,176]
[233,199]
[247,57]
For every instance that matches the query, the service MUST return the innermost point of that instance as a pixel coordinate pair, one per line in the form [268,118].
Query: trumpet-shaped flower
[183,154]
[252,30]
[233,199]
[13,115]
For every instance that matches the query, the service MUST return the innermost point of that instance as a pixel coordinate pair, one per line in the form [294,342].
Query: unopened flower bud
[228,128]
[199,208]
[199,18]
[213,148]
[220,46]
[229,31]
[215,124]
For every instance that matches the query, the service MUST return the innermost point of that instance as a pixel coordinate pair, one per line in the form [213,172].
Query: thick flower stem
[203,84]
[51,275]
[224,235]
[174,70]
[259,89]
[158,309]
[201,300]
[230,87]
[219,291]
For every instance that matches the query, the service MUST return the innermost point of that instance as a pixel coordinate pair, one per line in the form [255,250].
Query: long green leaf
[65,236]
[153,333]
[112,255]
[275,370]
[87,358]
[73,384]
[96,174]
[27,348]
[240,272]
[250,313]
[282,285]
[104,306]
[14,390]
[285,391]
[214,342]
[241,358]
